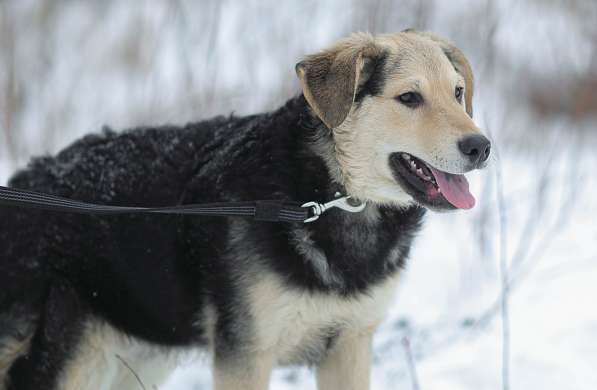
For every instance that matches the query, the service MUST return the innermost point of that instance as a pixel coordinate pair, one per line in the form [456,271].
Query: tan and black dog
[385,119]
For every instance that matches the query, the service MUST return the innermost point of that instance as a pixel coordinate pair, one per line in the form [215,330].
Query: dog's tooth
[420,171]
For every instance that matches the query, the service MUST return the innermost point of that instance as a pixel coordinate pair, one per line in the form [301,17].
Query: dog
[91,302]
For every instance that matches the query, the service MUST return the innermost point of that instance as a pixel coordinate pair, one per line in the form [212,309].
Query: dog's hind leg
[15,338]
[51,344]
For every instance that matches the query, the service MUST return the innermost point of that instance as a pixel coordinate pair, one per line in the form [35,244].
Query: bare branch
[505,313]
[132,371]
[412,369]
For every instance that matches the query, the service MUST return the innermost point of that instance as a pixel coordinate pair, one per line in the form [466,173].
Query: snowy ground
[66,68]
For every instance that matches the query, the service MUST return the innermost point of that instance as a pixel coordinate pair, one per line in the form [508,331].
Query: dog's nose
[476,148]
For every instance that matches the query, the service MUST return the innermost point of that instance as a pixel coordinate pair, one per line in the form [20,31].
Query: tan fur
[367,135]
[460,63]
[346,367]
[99,362]
[274,306]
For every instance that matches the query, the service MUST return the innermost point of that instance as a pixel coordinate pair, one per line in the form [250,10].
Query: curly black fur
[150,275]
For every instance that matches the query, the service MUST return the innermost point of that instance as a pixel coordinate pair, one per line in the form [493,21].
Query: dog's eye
[410,99]
[458,94]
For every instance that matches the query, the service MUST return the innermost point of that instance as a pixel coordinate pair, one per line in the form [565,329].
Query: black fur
[374,76]
[151,275]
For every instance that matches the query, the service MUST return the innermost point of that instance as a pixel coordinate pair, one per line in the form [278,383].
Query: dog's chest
[299,325]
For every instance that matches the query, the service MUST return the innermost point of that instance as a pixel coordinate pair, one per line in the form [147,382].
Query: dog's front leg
[246,371]
[346,366]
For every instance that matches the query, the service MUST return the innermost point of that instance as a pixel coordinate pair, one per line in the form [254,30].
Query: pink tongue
[454,188]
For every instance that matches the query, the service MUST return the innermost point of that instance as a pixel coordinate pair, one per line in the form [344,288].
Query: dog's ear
[330,79]
[460,63]
[462,66]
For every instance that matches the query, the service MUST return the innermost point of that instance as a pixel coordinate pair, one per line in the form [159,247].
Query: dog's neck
[316,144]
[342,251]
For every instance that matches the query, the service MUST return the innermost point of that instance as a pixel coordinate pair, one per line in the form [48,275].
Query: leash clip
[342,203]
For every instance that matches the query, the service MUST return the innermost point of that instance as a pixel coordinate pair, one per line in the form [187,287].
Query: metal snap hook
[342,203]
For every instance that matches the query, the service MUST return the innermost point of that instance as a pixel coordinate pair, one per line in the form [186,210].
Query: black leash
[261,210]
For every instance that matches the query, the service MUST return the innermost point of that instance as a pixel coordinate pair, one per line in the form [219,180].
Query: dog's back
[144,167]
[59,272]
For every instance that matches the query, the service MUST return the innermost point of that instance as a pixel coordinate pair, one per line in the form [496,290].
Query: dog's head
[399,108]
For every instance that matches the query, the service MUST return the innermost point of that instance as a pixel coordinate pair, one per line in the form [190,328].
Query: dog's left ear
[330,79]
[460,63]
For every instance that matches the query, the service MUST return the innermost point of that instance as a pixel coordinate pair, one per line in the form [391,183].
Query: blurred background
[494,298]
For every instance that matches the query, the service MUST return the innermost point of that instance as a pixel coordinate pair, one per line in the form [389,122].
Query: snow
[129,63]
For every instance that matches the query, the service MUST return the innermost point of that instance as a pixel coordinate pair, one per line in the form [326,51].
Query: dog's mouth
[429,186]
